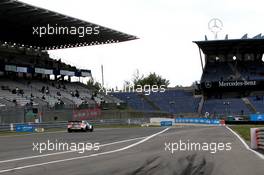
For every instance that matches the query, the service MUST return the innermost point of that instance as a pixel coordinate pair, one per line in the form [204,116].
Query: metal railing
[5,128]
[63,124]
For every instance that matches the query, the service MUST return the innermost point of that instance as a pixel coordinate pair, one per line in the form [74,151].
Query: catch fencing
[63,124]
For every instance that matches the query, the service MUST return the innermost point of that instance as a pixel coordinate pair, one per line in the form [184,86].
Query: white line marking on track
[65,152]
[88,156]
[245,144]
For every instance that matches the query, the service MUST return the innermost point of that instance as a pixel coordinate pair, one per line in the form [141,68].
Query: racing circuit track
[130,151]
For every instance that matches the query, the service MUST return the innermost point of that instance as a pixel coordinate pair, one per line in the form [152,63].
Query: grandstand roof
[18,19]
[214,47]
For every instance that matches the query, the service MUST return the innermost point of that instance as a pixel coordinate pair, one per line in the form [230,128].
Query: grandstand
[173,100]
[232,75]
[30,80]
[231,83]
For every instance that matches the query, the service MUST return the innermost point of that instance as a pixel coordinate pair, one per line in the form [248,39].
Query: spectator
[43,90]
[58,94]
[21,92]
[47,90]
[17,90]
[14,101]
[77,94]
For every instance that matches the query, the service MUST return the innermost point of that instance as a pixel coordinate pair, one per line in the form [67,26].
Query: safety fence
[24,115]
[200,121]
[63,124]
[192,121]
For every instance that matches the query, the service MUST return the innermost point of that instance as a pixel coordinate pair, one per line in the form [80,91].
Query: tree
[151,79]
[92,84]
[137,77]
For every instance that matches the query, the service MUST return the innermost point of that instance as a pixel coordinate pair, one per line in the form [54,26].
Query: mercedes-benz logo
[215,25]
[208,84]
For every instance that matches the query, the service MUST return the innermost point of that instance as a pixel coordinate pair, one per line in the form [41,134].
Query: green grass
[244,130]
[10,133]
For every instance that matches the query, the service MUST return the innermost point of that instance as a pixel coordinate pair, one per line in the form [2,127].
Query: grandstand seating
[5,102]
[8,97]
[134,100]
[225,71]
[252,70]
[176,101]
[173,101]
[230,106]
[258,103]
[217,72]
[181,101]
[35,91]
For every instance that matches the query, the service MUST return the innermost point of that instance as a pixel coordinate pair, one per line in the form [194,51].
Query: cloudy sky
[166,29]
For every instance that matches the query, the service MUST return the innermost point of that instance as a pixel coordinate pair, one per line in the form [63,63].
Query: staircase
[236,72]
[200,107]
[151,103]
[249,105]
[6,102]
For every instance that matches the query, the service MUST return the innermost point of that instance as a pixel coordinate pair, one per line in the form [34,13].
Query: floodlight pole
[102,69]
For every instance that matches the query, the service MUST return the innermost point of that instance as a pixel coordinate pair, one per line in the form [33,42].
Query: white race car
[81,125]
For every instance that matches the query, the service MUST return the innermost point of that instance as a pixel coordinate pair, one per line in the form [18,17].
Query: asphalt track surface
[128,151]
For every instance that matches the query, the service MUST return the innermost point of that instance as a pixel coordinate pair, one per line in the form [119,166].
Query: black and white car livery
[80,125]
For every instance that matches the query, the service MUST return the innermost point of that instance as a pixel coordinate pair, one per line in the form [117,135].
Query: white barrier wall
[158,120]
[253,137]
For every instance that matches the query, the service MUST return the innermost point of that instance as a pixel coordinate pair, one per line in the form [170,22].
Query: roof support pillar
[200,53]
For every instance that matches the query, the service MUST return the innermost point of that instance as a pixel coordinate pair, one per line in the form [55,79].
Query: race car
[81,125]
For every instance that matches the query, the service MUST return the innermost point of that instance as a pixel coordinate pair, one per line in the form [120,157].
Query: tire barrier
[257,138]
